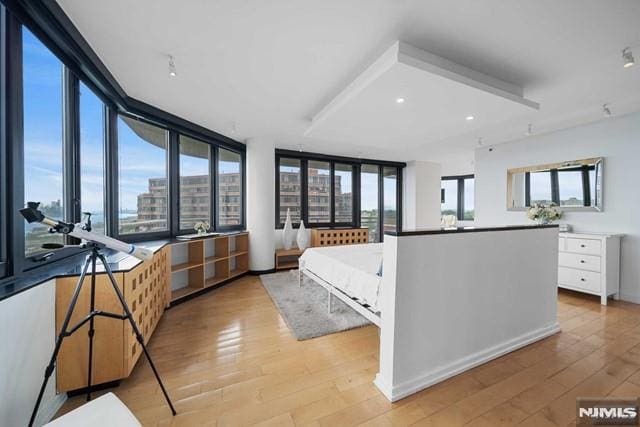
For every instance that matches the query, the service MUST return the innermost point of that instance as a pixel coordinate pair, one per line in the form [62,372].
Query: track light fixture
[606,111]
[529,130]
[627,57]
[172,67]
[480,143]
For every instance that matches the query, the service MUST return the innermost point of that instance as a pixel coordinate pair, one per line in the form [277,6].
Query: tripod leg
[65,324]
[91,328]
[139,336]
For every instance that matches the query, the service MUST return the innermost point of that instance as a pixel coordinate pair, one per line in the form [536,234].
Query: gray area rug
[304,309]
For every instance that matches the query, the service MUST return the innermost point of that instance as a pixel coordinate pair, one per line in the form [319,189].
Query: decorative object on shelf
[564,228]
[287,232]
[202,227]
[544,214]
[302,238]
[448,221]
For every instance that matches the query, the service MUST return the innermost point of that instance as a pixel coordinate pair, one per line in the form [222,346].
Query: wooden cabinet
[203,263]
[115,347]
[590,263]
[339,236]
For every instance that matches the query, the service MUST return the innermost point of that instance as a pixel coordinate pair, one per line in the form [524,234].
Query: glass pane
[229,188]
[42,98]
[290,189]
[540,187]
[195,189]
[570,188]
[142,177]
[318,189]
[92,157]
[369,200]
[390,185]
[343,185]
[449,197]
[469,198]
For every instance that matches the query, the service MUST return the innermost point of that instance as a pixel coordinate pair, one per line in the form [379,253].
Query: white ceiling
[269,66]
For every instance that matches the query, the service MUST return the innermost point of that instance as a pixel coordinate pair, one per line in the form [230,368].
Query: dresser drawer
[579,279]
[562,244]
[579,261]
[583,246]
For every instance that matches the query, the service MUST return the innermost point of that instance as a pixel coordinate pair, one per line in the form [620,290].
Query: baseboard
[259,272]
[397,392]
[48,409]
[630,298]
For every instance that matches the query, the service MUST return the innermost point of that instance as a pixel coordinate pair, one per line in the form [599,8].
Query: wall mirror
[573,185]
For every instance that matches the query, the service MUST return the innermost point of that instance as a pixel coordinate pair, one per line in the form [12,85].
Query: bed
[351,273]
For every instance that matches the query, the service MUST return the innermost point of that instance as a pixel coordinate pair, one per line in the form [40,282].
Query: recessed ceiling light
[627,56]
[469,118]
[400,100]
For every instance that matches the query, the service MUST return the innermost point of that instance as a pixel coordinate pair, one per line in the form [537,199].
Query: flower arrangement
[201,227]
[544,214]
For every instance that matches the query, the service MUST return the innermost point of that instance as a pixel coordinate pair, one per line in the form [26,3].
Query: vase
[302,238]
[287,232]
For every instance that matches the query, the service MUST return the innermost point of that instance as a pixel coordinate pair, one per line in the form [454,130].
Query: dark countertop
[427,231]
[72,266]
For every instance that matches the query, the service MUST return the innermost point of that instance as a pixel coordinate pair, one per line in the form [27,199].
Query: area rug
[304,309]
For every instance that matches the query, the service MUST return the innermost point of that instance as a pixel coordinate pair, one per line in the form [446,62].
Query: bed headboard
[339,236]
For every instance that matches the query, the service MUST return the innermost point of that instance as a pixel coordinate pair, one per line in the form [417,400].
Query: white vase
[302,238]
[287,232]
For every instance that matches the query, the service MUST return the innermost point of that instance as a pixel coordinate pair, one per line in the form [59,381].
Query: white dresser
[590,263]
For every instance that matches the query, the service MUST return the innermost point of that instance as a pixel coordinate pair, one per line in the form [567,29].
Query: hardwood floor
[228,359]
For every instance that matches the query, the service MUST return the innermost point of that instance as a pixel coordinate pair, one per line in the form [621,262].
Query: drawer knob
[583,279]
[582,261]
[582,246]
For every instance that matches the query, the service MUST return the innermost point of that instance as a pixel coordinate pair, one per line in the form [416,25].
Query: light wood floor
[228,359]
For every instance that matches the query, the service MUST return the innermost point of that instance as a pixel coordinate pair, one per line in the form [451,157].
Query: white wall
[421,195]
[617,139]
[488,290]
[27,336]
[261,203]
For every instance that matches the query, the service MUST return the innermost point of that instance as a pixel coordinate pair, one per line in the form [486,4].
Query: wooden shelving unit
[202,263]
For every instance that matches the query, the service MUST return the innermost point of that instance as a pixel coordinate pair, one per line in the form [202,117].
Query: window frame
[243,195]
[555,186]
[5,165]
[305,157]
[460,194]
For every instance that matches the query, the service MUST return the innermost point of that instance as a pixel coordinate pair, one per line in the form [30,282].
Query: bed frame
[364,310]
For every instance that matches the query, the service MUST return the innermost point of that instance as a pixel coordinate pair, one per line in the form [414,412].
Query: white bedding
[351,268]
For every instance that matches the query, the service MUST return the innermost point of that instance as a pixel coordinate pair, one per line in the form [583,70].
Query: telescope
[82,230]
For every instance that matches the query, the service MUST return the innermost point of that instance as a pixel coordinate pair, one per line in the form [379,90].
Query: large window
[319,192]
[92,181]
[290,190]
[43,147]
[369,198]
[142,175]
[329,191]
[195,188]
[390,189]
[229,188]
[343,193]
[457,194]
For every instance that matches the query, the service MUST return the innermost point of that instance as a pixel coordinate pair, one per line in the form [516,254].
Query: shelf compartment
[239,265]
[216,272]
[184,266]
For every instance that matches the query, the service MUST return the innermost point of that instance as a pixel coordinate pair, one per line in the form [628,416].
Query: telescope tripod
[65,332]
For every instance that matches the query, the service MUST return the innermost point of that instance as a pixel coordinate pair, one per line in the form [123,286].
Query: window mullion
[71,149]
[332,193]
[460,199]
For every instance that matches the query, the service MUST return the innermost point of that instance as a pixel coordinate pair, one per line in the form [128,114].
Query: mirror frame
[597,205]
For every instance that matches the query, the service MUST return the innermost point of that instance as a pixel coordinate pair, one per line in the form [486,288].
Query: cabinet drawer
[579,279]
[579,261]
[562,242]
[583,246]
